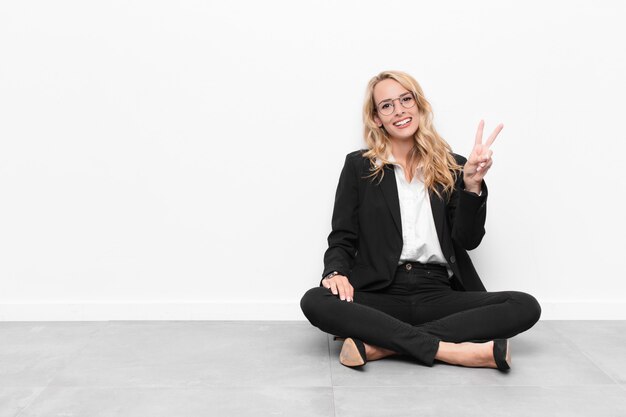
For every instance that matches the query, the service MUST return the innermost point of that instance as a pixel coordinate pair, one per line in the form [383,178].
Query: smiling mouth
[403,122]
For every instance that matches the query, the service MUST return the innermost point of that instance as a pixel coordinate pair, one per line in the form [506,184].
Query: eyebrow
[388,99]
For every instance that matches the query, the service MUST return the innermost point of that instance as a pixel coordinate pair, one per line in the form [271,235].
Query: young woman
[397,278]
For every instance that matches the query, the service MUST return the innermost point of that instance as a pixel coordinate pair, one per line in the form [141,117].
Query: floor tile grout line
[581,350]
[480,385]
[330,370]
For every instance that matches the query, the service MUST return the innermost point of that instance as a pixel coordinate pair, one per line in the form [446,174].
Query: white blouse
[420,241]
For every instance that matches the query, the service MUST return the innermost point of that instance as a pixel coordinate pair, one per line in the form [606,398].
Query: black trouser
[419,310]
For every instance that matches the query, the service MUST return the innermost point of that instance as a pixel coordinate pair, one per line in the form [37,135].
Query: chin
[405,134]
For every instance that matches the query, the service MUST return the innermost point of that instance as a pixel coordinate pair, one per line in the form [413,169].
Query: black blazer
[366,238]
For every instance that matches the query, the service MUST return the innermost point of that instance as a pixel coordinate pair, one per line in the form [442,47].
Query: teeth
[402,123]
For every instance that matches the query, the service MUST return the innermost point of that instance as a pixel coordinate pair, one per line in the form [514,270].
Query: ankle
[467,354]
[373,352]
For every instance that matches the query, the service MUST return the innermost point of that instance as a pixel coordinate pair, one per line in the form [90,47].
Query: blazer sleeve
[467,212]
[342,240]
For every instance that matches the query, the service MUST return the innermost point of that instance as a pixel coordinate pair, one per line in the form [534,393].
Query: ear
[378,121]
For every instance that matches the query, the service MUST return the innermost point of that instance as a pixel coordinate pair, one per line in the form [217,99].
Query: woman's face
[408,118]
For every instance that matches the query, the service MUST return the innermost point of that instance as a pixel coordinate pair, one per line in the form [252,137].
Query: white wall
[178,160]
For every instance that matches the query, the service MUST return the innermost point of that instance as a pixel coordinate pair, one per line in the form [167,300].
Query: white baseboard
[101,311]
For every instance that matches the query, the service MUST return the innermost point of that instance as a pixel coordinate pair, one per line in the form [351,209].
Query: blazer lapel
[389,188]
[437,207]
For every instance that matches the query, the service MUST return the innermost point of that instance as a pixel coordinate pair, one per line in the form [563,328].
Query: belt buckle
[408,266]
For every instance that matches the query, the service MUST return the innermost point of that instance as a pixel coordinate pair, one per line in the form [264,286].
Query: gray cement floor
[235,368]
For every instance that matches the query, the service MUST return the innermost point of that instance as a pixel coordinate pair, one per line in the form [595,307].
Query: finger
[351,294]
[347,289]
[483,171]
[482,163]
[476,152]
[481,167]
[485,157]
[333,287]
[342,291]
[473,160]
[494,134]
[479,133]
[484,160]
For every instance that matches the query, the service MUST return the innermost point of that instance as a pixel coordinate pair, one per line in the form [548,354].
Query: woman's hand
[340,283]
[479,160]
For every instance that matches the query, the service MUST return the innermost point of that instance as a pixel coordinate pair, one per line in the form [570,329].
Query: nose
[397,107]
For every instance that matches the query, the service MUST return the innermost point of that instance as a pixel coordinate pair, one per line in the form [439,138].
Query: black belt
[409,265]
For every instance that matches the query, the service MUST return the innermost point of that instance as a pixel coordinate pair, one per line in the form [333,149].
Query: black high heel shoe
[502,354]
[352,353]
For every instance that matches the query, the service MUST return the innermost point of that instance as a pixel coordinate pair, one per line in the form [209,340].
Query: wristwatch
[332,274]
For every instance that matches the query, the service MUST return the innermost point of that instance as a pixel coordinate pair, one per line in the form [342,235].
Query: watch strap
[332,274]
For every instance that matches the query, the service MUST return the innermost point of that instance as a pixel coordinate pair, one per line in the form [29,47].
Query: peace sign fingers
[479,161]
[493,135]
[479,134]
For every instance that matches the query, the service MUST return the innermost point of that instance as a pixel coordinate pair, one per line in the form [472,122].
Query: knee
[529,308]
[311,302]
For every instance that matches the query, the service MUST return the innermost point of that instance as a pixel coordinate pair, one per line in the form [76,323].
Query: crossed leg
[433,325]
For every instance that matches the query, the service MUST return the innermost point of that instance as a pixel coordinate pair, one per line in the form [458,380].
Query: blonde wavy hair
[430,150]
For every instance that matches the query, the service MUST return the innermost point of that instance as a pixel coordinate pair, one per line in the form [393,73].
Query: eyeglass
[386,107]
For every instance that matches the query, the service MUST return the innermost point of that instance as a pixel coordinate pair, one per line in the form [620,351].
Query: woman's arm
[468,204]
[468,212]
[342,240]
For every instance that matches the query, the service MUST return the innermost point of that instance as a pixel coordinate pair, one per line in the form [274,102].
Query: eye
[385,106]
[407,99]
